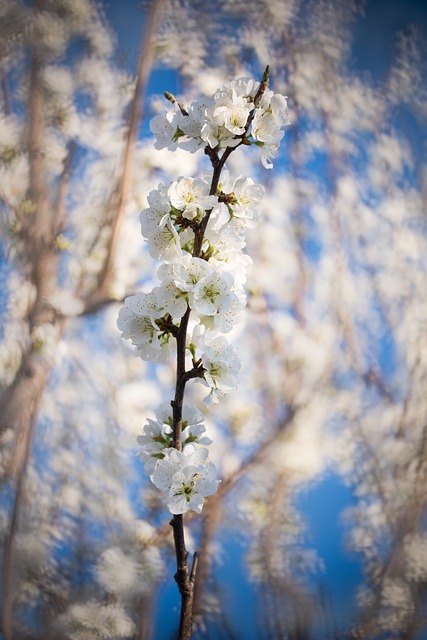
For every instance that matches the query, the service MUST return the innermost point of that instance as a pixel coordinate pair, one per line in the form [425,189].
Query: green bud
[266,75]
[169,96]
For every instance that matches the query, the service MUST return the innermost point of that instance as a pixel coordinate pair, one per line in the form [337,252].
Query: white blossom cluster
[196,227]
[84,621]
[221,121]
[211,285]
[157,435]
[186,477]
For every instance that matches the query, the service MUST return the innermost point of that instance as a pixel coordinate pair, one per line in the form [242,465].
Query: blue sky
[374,33]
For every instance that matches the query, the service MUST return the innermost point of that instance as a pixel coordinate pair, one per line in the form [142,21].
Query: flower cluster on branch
[242,111]
[196,228]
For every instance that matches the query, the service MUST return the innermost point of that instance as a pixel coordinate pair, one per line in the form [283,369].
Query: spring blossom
[196,228]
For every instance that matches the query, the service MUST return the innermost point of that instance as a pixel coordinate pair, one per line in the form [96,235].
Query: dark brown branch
[185,582]
[182,577]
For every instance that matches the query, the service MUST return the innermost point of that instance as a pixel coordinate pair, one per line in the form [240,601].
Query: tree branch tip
[169,96]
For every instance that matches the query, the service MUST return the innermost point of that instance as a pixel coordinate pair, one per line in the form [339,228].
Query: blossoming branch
[196,227]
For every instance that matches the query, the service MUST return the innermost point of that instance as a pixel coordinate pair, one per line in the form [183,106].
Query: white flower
[216,135]
[193,427]
[270,116]
[220,121]
[265,128]
[233,104]
[212,294]
[218,223]
[268,153]
[225,321]
[221,365]
[192,124]
[229,257]
[138,329]
[165,129]
[151,343]
[228,239]
[279,110]
[277,105]
[227,116]
[241,86]
[209,288]
[185,479]
[151,304]
[232,112]
[176,299]
[248,203]
[191,196]
[185,274]
[154,218]
[158,434]
[156,437]
[165,244]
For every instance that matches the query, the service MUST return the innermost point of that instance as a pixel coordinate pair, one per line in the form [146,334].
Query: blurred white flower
[84,621]
[117,571]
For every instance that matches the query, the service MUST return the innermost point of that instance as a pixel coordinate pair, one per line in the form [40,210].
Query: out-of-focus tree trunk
[20,403]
